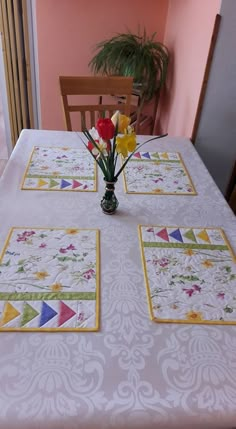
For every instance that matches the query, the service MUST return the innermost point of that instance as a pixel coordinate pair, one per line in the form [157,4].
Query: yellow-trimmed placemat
[49,280]
[190,274]
[162,173]
[60,169]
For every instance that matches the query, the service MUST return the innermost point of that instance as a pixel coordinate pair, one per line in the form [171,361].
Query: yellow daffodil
[41,275]
[123,123]
[194,315]
[131,141]
[125,144]
[122,120]
[56,287]
[121,146]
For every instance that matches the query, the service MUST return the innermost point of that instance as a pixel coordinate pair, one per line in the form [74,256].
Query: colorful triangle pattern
[163,234]
[156,155]
[66,313]
[204,236]
[29,313]
[176,235]
[76,184]
[47,313]
[181,234]
[42,182]
[64,184]
[164,155]
[190,235]
[60,184]
[9,313]
[53,183]
[146,155]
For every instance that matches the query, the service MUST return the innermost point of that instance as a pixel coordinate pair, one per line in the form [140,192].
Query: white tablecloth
[134,372]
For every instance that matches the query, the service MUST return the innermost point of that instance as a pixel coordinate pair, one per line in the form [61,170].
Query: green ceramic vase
[109,202]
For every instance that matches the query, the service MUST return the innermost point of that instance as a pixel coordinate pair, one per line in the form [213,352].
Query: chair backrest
[115,86]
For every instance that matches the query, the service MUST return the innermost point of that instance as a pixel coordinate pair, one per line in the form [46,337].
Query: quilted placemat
[190,274]
[60,169]
[157,173]
[49,280]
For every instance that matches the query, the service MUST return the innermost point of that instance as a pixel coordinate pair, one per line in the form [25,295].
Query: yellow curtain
[15,45]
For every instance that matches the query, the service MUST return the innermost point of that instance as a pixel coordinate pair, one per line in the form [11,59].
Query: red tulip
[105,128]
[91,145]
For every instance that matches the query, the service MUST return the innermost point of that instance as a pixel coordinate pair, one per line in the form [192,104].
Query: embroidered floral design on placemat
[49,279]
[190,274]
[60,169]
[157,173]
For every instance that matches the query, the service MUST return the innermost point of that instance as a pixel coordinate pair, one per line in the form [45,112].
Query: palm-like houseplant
[136,55]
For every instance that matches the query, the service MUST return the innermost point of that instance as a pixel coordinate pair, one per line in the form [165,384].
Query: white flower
[115,118]
[103,148]
[94,134]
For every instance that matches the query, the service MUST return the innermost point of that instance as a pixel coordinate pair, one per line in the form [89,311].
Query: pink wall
[188,34]
[67,31]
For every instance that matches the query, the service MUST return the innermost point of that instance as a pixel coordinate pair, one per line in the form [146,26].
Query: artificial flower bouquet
[111,137]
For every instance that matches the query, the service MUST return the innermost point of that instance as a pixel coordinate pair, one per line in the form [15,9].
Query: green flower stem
[115,161]
[101,164]
[108,165]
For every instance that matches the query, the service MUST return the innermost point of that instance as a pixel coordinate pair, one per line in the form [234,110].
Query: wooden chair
[95,86]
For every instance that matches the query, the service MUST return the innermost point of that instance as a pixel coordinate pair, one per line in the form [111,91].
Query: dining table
[131,371]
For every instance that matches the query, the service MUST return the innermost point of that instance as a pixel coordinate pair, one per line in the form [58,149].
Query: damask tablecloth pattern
[133,373]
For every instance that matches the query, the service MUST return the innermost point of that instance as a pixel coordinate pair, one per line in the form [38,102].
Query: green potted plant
[136,55]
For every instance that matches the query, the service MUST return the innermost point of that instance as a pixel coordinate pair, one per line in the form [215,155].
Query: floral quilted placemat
[190,274]
[60,169]
[157,173]
[49,280]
